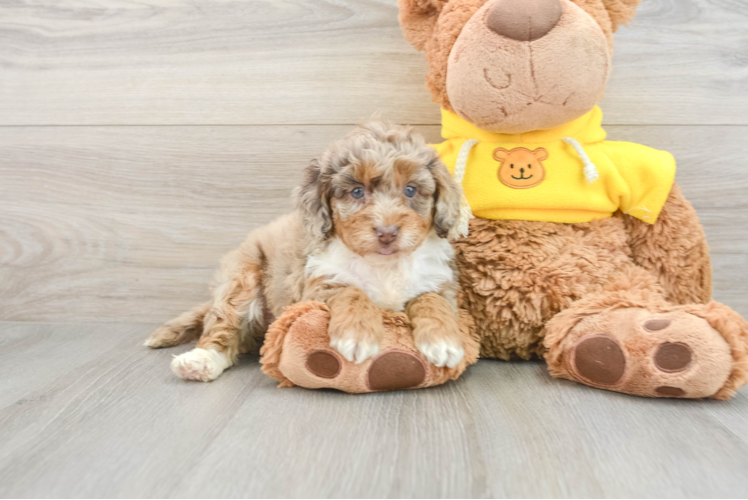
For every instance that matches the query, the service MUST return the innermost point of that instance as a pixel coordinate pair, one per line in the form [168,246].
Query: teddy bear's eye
[512,165]
[529,166]
[358,193]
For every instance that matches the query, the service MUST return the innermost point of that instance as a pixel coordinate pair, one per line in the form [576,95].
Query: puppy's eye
[410,191]
[358,193]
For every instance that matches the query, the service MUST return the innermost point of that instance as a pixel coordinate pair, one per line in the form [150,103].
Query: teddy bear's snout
[524,20]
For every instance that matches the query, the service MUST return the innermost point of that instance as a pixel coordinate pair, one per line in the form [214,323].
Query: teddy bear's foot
[670,354]
[297,351]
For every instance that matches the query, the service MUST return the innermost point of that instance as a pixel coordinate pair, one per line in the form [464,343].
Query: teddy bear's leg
[630,339]
[674,249]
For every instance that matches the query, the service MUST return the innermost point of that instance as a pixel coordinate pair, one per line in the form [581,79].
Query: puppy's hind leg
[228,326]
[183,329]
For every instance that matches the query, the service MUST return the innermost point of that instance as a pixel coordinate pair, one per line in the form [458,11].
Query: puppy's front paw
[200,364]
[355,347]
[440,350]
[356,340]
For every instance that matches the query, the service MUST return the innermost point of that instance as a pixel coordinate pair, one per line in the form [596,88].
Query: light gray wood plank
[120,424]
[211,62]
[312,62]
[128,223]
[33,354]
[83,435]
[681,63]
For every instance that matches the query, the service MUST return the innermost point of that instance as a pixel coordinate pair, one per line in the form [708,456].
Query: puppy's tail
[185,328]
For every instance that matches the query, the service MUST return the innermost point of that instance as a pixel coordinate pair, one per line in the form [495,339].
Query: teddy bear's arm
[674,249]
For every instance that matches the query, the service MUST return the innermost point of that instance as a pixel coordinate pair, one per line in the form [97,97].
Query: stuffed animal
[582,250]
[297,352]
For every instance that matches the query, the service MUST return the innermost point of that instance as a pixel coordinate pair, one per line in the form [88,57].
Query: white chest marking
[389,283]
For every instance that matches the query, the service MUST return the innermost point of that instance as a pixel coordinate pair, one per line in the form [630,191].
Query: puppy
[370,231]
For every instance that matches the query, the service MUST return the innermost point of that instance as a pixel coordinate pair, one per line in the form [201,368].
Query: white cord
[463,221]
[590,170]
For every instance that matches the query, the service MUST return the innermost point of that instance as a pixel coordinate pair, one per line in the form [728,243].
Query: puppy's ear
[418,18]
[448,202]
[313,201]
[621,11]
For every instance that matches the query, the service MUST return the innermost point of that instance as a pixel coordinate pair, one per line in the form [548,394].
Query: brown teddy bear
[583,251]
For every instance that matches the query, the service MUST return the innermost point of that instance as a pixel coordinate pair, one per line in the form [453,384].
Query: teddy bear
[581,251]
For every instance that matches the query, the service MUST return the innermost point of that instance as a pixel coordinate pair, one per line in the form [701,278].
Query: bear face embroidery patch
[521,168]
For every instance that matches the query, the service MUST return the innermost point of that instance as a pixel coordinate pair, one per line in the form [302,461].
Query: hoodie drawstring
[461,228]
[590,170]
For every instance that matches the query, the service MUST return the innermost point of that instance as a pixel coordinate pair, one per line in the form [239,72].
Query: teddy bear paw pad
[324,364]
[673,357]
[395,370]
[670,392]
[600,360]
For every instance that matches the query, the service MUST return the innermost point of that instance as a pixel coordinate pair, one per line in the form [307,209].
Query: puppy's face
[381,190]
[383,207]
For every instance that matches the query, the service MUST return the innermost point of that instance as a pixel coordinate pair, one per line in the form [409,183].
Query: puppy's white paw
[442,352]
[200,364]
[353,349]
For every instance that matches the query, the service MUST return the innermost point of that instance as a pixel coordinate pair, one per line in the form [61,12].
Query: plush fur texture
[547,289]
[369,233]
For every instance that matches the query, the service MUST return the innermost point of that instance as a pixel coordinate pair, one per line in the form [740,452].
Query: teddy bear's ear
[500,154]
[418,18]
[541,154]
[621,11]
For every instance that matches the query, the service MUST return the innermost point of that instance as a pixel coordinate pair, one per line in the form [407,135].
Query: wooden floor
[139,141]
[87,412]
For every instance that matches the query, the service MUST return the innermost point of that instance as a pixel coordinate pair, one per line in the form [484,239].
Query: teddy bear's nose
[524,20]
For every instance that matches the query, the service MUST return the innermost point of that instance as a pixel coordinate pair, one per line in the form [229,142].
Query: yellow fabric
[635,179]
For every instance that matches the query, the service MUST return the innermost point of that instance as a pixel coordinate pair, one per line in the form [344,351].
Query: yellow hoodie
[569,174]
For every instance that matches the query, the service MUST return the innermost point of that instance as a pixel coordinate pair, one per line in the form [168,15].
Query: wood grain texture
[319,62]
[113,223]
[86,420]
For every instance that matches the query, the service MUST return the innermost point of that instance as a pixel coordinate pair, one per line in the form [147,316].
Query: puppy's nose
[524,20]
[387,234]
